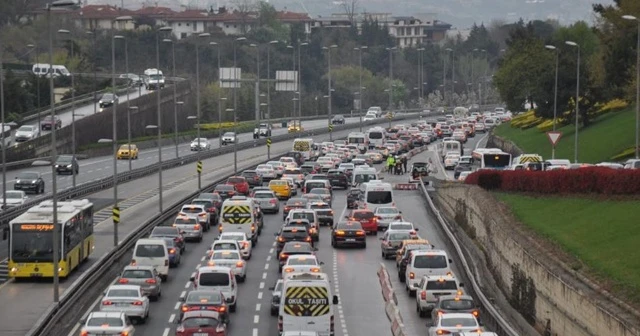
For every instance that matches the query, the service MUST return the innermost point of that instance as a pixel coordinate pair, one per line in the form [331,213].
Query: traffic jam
[303,188]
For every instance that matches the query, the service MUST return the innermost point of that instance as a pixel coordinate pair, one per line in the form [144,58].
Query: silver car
[266,171]
[126,299]
[229,138]
[107,323]
[199,214]
[144,276]
[200,144]
[26,133]
[386,215]
[14,198]
[268,201]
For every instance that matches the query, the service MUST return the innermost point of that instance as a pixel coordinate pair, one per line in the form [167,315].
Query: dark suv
[67,164]
[338,178]
[252,178]
[292,233]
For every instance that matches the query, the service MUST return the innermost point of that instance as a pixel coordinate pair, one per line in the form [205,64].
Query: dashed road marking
[183,294]
[266,266]
[255,332]
[203,258]
[271,251]
[256,319]
[259,295]
[198,266]
[177,306]
[268,258]
[336,287]
[258,306]
[166,332]
[264,275]
[187,285]
[172,318]
[262,285]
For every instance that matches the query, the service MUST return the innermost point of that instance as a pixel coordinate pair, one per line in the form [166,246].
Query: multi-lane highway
[352,273]
[139,202]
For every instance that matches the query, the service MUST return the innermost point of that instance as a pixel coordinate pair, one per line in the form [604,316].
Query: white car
[302,263]
[127,299]
[289,162]
[386,215]
[402,226]
[26,133]
[277,166]
[463,176]
[243,241]
[231,259]
[266,172]
[223,245]
[369,116]
[14,198]
[451,160]
[107,323]
[229,138]
[454,323]
[200,144]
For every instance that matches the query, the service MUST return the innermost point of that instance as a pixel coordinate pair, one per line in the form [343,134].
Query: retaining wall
[548,293]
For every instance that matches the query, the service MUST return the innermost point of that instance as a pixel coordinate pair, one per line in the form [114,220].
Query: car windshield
[430,261]
[199,322]
[458,322]
[225,255]
[26,128]
[204,297]
[28,176]
[229,134]
[107,96]
[387,211]
[104,322]
[127,147]
[122,293]
[214,279]
[64,158]
[137,274]
[399,236]
[442,285]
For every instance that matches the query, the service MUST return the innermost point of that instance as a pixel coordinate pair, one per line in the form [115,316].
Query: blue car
[174,252]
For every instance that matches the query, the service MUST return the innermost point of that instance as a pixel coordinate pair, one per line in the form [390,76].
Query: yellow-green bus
[31,239]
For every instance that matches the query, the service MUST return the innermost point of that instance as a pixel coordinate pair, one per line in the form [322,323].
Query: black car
[67,164]
[29,181]
[294,203]
[225,191]
[348,233]
[108,99]
[215,198]
[252,178]
[338,178]
[337,119]
[292,233]
[353,196]
[294,248]
[323,211]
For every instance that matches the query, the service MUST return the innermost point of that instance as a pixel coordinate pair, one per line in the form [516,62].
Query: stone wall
[507,146]
[545,291]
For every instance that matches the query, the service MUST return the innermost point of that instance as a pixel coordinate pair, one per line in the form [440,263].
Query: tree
[350,8]
[244,8]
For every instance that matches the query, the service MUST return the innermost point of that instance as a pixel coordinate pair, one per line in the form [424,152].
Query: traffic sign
[115,215]
[199,167]
[330,128]
[554,137]
[268,142]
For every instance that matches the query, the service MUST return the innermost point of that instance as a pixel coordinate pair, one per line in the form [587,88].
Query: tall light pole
[219,95]
[360,91]
[420,76]
[473,61]
[444,76]
[203,35]
[34,48]
[67,33]
[293,60]
[328,49]
[175,103]
[159,115]
[575,151]
[3,144]
[235,104]
[631,17]
[114,130]
[129,109]
[93,66]
[54,153]
[555,95]
[300,45]
[390,50]
[257,84]
[269,82]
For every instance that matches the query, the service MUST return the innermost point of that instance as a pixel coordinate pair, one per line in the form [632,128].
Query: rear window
[387,211]
[293,171]
[185,221]
[458,322]
[430,261]
[297,234]
[278,182]
[350,226]
[457,304]
[199,322]
[225,246]
[222,187]
[164,231]
[320,191]
[137,274]
[225,255]
[104,321]
[442,285]
[304,215]
[249,173]
[236,180]
[213,279]
[193,210]
[363,215]
[335,173]
[302,261]
[206,204]
[320,206]
[150,251]
[399,236]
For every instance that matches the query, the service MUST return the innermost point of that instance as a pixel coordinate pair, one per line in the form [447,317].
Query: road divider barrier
[397,326]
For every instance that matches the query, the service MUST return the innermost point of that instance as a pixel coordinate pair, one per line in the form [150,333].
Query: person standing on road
[390,164]
[404,163]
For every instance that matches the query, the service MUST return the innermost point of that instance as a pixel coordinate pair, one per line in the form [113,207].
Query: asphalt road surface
[139,198]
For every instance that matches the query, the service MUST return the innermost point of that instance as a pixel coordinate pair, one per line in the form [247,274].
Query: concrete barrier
[397,326]
[391,309]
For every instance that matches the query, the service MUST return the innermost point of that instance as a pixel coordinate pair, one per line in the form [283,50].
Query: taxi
[406,246]
[281,188]
[294,127]
[128,151]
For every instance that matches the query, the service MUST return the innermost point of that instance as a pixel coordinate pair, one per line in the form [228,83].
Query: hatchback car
[268,201]
[169,232]
[294,203]
[231,259]
[447,304]
[294,248]
[252,177]
[291,234]
[144,276]
[204,322]
[391,242]
[67,164]
[240,183]
[197,300]
[49,123]
[128,299]
[128,151]
[29,181]
[107,99]
[174,252]
[107,323]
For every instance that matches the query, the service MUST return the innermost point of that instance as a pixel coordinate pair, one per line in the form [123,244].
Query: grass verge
[609,135]
[604,234]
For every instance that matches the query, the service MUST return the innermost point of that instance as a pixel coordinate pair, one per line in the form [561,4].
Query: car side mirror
[381,238]
[461,284]
[381,178]
[321,263]
[182,232]
[336,300]
[417,229]
[315,249]
[181,299]
[275,234]
[450,261]
[192,279]
[82,321]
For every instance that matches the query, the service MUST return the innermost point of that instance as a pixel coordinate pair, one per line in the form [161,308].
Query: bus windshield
[29,246]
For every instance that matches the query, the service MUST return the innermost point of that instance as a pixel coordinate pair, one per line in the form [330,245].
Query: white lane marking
[193,275]
[255,332]
[256,319]
[258,306]
[259,295]
[479,141]
[271,251]
[264,275]
[274,244]
[183,294]
[336,285]
[176,306]
[262,285]
[166,332]
[198,266]
[266,266]
[268,258]
[203,258]
[187,285]
[172,317]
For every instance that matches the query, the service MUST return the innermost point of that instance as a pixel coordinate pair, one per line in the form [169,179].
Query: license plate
[36,274]
[201,334]
[351,240]
[122,304]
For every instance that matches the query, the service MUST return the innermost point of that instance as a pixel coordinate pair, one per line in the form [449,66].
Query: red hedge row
[600,180]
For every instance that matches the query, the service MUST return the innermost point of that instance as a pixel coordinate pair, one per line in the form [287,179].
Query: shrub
[599,180]
[613,105]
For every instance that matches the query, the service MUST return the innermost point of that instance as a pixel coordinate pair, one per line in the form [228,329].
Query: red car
[201,322]
[241,184]
[366,218]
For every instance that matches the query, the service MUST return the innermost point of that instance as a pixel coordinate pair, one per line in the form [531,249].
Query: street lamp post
[555,96]
[293,60]
[235,104]
[328,49]
[219,95]
[631,17]
[73,106]
[420,79]
[36,58]
[114,130]
[175,103]
[257,84]
[129,109]
[300,45]
[575,151]
[391,79]
[203,35]
[473,89]
[93,66]
[159,115]
[359,49]
[3,144]
[269,78]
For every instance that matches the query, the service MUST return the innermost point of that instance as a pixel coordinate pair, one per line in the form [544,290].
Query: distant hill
[460,13]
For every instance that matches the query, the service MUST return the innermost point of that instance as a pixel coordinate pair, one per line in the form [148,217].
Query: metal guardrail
[503,324]
[107,182]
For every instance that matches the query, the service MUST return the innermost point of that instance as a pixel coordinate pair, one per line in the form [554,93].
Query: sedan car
[107,323]
[14,198]
[174,252]
[252,177]
[243,242]
[192,221]
[26,133]
[268,201]
[337,119]
[386,215]
[391,242]
[107,99]
[198,300]
[128,299]
[67,164]
[229,138]
[266,172]
[170,232]
[49,123]
[231,259]
[144,276]
[29,181]
[325,193]
[454,323]
[203,322]
[447,304]
[348,233]
[302,263]
[199,144]
[128,151]
[225,191]
[323,212]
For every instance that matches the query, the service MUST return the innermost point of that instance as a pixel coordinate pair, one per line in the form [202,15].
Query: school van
[426,263]
[41,69]
[152,252]
[217,278]
[377,193]
[307,304]
[238,214]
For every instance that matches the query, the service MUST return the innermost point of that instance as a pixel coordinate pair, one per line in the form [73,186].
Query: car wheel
[42,189]
[243,278]
[232,308]
[153,298]
[274,312]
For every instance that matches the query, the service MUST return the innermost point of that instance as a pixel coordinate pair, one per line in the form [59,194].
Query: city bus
[6,135]
[497,161]
[31,239]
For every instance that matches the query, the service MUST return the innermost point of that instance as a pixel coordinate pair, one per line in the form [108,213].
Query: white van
[426,263]
[363,175]
[377,193]
[359,139]
[217,278]
[377,137]
[451,146]
[42,69]
[307,304]
[152,252]
[238,214]
[377,110]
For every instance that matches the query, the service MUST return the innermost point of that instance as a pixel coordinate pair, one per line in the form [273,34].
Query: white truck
[153,79]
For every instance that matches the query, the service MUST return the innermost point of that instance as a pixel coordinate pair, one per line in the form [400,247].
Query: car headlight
[18,181]
[57,166]
[68,166]
[34,181]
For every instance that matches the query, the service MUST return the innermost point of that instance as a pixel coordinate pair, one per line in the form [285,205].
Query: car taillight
[172,251]
[340,233]
[288,270]
[107,303]
[412,275]
[151,281]
[240,264]
[123,281]
[185,308]
[196,227]
[280,239]
[84,333]
[360,233]
[137,303]
[423,295]
[307,239]
[283,255]
[443,332]
[280,323]
[124,333]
